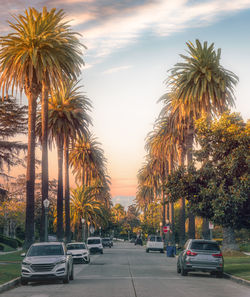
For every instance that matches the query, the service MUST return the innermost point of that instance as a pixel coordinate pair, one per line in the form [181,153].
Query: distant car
[201,255]
[106,242]
[94,245]
[155,243]
[79,252]
[47,261]
[138,241]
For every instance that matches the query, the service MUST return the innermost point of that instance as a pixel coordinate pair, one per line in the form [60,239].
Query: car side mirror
[23,255]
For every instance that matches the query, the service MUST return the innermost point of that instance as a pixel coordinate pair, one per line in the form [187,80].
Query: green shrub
[19,242]
[1,248]
[9,241]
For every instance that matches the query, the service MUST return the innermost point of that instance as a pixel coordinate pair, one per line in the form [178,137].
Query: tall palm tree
[199,85]
[37,52]
[67,119]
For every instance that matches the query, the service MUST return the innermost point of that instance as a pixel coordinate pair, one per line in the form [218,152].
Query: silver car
[201,255]
[79,252]
[47,261]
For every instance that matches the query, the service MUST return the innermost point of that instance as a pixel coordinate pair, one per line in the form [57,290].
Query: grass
[237,264]
[10,269]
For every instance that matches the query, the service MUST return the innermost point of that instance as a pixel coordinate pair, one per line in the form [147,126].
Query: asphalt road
[128,271]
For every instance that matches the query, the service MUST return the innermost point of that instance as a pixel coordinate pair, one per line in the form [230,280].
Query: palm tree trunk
[45,174]
[182,235]
[190,140]
[60,192]
[171,169]
[30,174]
[66,190]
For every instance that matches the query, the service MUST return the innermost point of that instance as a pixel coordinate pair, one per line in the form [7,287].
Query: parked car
[94,245]
[47,261]
[106,242]
[79,252]
[155,243]
[138,241]
[201,255]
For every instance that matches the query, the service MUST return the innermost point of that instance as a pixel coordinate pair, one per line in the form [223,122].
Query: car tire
[219,274]
[24,282]
[66,278]
[178,269]
[184,272]
[72,273]
[162,251]
[101,252]
[147,250]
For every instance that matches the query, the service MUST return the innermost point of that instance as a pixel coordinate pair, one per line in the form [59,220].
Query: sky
[131,45]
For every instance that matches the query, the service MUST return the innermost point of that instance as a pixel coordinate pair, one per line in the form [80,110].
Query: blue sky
[131,46]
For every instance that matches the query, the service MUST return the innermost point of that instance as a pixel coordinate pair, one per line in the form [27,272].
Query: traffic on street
[127,270]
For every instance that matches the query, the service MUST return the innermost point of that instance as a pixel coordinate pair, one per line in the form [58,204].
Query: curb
[10,285]
[237,279]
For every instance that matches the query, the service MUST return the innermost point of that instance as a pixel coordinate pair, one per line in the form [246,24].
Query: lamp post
[161,229]
[83,230]
[46,210]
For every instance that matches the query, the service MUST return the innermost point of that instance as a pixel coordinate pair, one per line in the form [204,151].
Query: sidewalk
[5,253]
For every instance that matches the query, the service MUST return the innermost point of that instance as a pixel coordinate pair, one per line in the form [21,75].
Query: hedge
[9,241]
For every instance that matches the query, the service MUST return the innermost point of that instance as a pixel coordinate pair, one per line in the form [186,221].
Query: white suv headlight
[61,261]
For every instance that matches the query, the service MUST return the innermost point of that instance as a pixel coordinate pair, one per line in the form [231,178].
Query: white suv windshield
[45,250]
[94,241]
[80,246]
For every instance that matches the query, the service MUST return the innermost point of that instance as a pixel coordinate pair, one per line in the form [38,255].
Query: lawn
[10,266]
[238,266]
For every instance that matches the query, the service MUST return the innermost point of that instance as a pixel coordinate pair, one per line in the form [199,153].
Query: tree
[27,63]
[84,205]
[199,86]
[67,119]
[218,190]
[13,121]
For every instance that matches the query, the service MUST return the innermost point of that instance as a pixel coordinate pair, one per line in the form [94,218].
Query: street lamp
[161,228]
[83,230]
[46,210]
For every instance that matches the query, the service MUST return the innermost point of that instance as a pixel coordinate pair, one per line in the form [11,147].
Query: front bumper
[58,272]
[80,258]
[94,250]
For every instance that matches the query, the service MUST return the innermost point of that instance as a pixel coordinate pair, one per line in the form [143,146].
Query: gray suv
[201,255]
[47,261]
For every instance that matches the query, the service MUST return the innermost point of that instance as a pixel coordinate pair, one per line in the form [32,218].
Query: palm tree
[39,51]
[85,206]
[199,86]
[88,161]
[67,119]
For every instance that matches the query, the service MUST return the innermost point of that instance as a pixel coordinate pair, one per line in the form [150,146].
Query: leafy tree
[13,121]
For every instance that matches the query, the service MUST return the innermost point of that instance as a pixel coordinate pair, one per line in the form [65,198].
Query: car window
[80,246]
[204,246]
[105,239]
[45,250]
[159,239]
[94,241]
[152,238]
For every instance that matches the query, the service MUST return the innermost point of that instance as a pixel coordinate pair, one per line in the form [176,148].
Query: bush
[1,248]
[19,242]
[9,241]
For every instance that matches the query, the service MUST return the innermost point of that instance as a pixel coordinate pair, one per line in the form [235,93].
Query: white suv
[155,243]
[94,245]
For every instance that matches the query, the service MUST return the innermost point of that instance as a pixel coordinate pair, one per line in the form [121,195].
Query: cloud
[108,25]
[117,69]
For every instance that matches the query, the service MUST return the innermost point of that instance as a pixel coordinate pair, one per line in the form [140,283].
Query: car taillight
[217,255]
[190,253]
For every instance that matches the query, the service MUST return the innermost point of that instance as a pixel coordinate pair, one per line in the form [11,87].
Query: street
[127,270]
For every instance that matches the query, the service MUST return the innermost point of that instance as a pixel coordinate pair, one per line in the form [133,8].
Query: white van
[94,245]
[155,243]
